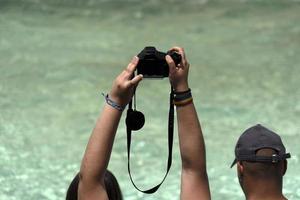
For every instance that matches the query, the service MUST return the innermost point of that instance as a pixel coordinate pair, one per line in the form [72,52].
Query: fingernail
[132,59]
[168,57]
[135,59]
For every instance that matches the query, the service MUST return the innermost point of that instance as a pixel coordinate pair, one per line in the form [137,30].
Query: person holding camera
[95,182]
[194,180]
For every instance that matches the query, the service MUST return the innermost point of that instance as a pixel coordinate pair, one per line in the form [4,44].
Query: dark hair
[73,189]
[265,171]
[111,185]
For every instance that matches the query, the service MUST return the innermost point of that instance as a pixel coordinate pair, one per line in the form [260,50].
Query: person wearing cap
[261,162]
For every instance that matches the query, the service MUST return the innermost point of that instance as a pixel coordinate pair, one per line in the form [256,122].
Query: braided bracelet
[183,103]
[113,104]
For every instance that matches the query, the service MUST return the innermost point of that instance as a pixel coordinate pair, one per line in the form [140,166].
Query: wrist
[181,87]
[117,98]
[182,98]
[113,102]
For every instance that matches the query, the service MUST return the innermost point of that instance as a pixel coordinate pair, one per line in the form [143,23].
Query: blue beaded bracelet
[112,103]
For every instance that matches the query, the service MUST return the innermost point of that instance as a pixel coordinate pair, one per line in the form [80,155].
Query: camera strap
[170,145]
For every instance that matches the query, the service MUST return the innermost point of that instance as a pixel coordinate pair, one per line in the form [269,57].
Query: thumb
[171,64]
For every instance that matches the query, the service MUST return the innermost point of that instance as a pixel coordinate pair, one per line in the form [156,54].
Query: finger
[180,50]
[135,81]
[171,63]
[132,65]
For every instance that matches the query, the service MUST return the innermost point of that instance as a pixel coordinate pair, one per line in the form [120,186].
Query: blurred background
[57,56]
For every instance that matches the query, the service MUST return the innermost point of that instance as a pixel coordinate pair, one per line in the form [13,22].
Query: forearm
[192,147]
[100,145]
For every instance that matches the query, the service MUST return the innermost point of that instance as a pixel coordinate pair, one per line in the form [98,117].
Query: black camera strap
[170,145]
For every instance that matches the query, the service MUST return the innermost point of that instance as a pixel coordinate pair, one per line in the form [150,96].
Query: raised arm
[194,181]
[98,150]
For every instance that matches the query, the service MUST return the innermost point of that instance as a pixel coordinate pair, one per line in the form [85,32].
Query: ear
[240,173]
[284,167]
[240,166]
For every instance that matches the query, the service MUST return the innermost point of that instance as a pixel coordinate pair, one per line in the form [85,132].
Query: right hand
[123,86]
[178,75]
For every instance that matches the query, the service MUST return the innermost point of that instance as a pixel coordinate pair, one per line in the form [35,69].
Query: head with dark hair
[251,174]
[111,185]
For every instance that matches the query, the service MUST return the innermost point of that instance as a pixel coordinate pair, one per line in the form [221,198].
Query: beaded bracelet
[112,103]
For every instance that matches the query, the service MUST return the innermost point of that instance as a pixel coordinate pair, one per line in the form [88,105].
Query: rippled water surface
[57,57]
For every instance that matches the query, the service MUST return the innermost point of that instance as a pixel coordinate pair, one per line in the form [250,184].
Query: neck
[265,197]
[263,190]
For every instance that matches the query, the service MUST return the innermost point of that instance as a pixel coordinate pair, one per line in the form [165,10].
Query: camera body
[152,63]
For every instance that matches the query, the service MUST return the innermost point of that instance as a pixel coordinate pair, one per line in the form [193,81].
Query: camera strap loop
[170,144]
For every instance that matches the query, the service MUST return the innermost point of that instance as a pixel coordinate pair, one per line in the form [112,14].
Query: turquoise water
[57,58]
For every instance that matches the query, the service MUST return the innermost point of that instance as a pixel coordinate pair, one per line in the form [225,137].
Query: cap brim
[233,163]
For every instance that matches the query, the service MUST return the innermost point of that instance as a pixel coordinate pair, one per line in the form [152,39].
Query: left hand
[178,75]
[123,86]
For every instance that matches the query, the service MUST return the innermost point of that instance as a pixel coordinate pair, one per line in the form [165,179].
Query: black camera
[152,63]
